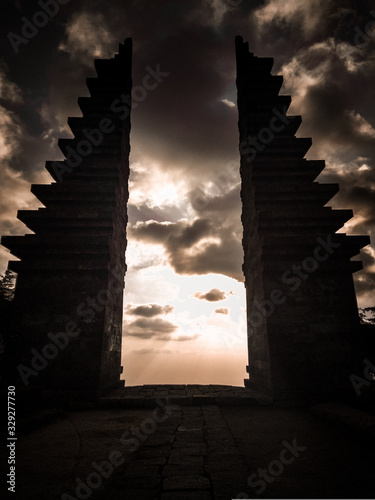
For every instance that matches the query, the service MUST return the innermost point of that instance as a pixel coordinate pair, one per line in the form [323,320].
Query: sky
[184,307]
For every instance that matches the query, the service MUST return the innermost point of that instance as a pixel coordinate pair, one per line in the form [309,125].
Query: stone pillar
[69,295]
[301,305]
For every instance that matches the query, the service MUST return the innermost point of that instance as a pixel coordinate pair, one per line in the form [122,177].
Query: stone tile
[152,461]
[133,402]
[156,440]
[203,400]
[138,494]
[136,469]
[152,452]
[192,422]
[193,482]
[187,495]
[226,468]
[181,400]
[222,434]
[227,491]
[177,458]
[182,470]
[194,449]
[221,446]
[144,482]
[184,438]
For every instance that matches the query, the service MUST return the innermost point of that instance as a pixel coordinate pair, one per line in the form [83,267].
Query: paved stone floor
[168,449]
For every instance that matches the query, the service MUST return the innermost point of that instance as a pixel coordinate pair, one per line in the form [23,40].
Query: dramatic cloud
[305,17]
[88,37]
[149,310]
[213,295]
[184,232]
[184,187]
[195,248]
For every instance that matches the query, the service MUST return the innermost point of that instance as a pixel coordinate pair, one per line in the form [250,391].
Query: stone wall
[71,273]
[302,312]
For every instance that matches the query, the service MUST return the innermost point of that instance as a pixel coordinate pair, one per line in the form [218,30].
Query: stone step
[93,169]
[254,108]
[79,262]
[287,207]
[42,244]
[147,396]
[52,220]
[106,85]
[253,127]
[62,193]
[259,83]
[79,123]
[97,107]
[304,243]
[109,146]
[294,189]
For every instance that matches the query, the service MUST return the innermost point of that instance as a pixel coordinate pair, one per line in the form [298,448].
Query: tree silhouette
[367,315]
[7,286]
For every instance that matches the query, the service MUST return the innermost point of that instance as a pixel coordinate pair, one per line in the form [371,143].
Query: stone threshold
[145,396]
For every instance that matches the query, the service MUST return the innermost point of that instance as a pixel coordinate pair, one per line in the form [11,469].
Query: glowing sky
[184,297]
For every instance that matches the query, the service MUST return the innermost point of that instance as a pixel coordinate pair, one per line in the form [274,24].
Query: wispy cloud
[87,37]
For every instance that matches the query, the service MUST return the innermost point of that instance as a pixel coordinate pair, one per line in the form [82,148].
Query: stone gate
[302,310]
[67,314]
[303,324]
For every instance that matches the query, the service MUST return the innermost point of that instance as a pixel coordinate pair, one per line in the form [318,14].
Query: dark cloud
[149,310]
[195,248]
[213,295]
[222,310]
[183,128]
[144,213]
[147,328]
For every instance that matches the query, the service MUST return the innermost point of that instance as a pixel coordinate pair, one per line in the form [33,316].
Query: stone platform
[145,396]
[168,449]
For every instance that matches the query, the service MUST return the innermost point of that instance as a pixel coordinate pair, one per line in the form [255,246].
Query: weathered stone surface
[195,449]
[129,493]
[182,470]
[147,482]
[73,266]
[182,495]
[136,469]
[178,458]
[301,305]
[185,482]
